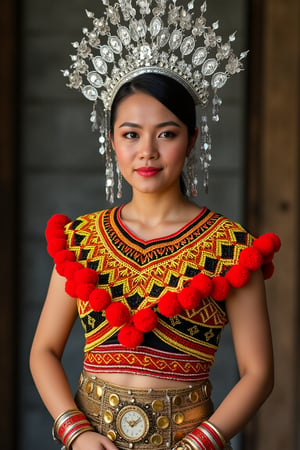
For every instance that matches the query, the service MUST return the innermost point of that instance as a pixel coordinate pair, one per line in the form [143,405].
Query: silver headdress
[154,36]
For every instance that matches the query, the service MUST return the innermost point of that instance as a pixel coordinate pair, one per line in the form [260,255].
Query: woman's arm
[249,321]
[55,324]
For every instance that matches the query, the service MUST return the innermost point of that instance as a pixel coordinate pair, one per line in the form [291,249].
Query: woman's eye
[167,134]
[131,135]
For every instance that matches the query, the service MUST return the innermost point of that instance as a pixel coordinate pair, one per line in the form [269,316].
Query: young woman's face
[151,144]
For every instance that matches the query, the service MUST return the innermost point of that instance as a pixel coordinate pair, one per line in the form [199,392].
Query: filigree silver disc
[90,93]
[218,80]
[209,67]
[100,65]
[95,79]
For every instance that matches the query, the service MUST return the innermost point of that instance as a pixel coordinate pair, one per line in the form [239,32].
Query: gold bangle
[77,433]
[190,445]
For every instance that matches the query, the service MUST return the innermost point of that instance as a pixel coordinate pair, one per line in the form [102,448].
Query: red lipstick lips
[147,171]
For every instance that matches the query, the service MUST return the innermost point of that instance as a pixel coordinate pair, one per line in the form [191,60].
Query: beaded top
[142,301]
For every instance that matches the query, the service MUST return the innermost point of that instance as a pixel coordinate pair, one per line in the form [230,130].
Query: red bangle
[214,432]
[204,437]
[69,425]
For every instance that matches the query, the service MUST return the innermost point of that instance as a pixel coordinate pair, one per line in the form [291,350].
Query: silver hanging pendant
[205,151]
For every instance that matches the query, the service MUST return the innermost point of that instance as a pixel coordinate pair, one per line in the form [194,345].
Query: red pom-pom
[99,299]
[64,255]
[86,275]
[268,270]
[169,305]
[117,314]
[130,337]
[55,246]
[276,241]
[71,268]
[58,220]
[251,258]
[145,320]
[203,283]
[84,290]
[238,276]
[269,258]
[60,268]
[220,289]
[54,233]
[189,298]
[71,288]
[264,244]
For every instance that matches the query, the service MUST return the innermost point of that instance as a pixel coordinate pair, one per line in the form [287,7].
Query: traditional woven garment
[140,274]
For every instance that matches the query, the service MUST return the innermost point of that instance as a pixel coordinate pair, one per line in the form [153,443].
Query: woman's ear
[192,141]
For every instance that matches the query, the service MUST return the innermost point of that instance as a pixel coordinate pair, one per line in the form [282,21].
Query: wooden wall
[273,162]
[273,194]
[8,260]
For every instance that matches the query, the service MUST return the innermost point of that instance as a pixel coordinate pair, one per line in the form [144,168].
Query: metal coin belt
[143,418]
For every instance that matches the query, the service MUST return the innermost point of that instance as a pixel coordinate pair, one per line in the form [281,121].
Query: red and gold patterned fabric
[139,275]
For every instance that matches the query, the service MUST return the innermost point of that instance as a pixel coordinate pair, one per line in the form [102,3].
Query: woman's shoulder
[225,228]
[87,219]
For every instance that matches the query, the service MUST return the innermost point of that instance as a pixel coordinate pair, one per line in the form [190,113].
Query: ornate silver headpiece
[153,37]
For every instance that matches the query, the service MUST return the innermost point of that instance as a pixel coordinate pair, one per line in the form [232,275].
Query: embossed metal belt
[143,418]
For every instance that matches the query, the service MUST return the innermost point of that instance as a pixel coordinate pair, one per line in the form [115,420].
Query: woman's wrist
[204,437]
[68,426]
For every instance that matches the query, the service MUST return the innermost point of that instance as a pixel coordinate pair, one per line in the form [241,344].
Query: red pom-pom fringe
[81,283]
[237,276]
[84,290]
[58,220]
[86,275]
[220,288]
[117,314]
[55,246]
[202,283]
[130,336]
[99,299]
[169,305]
[70,288]
[268,270]
[276,241]
[64,255]
[189,298]
[145,320]
[264,244]
[54,233]
[251,258]
[71,268]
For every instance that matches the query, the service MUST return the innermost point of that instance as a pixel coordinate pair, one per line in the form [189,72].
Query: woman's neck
[153,216]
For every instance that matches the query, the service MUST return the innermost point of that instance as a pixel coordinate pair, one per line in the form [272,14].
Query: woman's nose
[148,149]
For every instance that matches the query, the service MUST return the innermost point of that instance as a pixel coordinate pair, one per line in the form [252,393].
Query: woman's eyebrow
[130,124]
[159,125]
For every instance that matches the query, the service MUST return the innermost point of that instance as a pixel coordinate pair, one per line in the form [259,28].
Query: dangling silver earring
[205,150]
[110,180]
[119,180]
[191,179]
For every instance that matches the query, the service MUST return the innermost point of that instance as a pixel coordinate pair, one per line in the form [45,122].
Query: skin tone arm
[248,317]
[56,321]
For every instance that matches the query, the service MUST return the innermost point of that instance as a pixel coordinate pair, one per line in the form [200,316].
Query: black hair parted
[166,90]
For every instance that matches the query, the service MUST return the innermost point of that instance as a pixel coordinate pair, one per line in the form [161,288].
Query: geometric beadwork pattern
[138,273]
[145,361]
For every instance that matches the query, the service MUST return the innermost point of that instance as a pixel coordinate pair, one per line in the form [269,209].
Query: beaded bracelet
[68,426]
[204,437]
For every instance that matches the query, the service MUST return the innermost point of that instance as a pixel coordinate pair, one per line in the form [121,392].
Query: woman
[157,279]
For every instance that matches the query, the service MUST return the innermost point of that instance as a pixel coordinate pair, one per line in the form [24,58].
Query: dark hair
[166,90]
